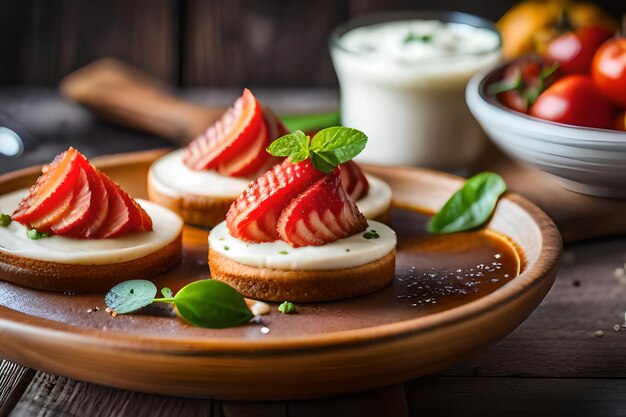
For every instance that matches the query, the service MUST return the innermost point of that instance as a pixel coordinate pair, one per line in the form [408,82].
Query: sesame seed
[618,272]
[108,310]
[598,333]
[114,314]
[616,327]
[265,330]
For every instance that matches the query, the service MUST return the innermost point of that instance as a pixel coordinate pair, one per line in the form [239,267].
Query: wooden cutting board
[124,96]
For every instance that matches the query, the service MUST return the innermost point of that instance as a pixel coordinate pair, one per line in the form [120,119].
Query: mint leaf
[321,164]
[294,145]
[471,206]
[130,296]
[328,149]
[337,145]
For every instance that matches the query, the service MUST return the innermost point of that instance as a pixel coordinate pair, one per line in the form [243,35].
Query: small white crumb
[260,308]
[598,333]
[618,273]
[265,330]
[616,327]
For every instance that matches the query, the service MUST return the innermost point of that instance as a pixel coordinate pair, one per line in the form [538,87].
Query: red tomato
[522,82]
[574,50]
[574,100]
[609,70]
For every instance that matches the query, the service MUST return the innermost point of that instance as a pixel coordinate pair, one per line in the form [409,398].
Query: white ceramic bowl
[587,160]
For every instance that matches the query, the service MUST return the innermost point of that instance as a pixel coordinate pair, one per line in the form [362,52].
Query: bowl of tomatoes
[563,111]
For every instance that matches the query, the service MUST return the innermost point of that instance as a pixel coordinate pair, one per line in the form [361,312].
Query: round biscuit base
[303,286]
[56,276]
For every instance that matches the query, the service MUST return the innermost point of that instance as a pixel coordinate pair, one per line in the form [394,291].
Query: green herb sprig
[205,303]
[411,37]
[371,234]
[5,219]
[287,308]
[34,234]
[328,149]
[471,206]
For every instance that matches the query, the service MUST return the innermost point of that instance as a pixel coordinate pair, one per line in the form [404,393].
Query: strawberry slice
[320,215]
[124,216]
[51,189]
[250,160]
[78,214]
[227,137]
[118,217]
[99,204]
[256,160]
[45,222]
[254,215]
[354,180]
[85,203]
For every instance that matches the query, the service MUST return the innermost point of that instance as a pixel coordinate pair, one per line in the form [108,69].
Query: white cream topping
[14,240]
[171,176]
[378,198]
[352,251]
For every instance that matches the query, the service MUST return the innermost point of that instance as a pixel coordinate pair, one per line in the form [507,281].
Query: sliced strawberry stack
[298,204]
[322,214]
[353,180]
[254,215]
[235,145]
[73,198]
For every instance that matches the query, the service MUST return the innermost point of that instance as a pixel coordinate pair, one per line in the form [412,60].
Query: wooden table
[556,363]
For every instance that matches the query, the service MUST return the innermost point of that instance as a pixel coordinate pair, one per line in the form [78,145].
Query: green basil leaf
[338,144]
[311,122]
[471,206]
[294,145]
[213,304]
[130,296]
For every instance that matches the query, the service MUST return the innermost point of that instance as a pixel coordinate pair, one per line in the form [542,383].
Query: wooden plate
[416,326]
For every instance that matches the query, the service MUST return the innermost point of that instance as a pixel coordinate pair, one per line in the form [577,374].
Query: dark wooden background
[276,43]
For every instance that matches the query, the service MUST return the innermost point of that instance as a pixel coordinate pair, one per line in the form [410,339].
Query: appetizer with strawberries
[296,233]
[77,230]
[201,181]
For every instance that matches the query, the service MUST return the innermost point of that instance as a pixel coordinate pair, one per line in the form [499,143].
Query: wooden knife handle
[127,97]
